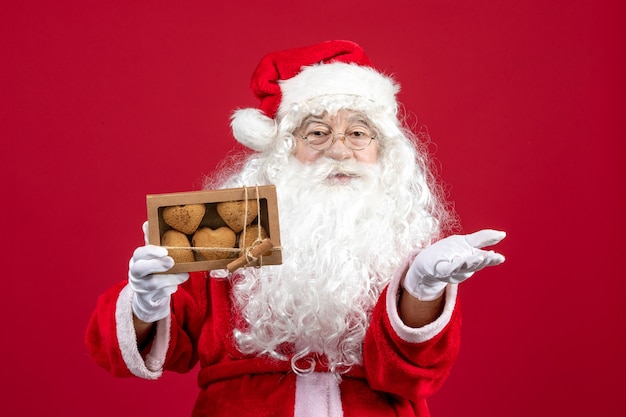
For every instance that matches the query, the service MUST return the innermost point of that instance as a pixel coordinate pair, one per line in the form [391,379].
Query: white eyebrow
[359,118]
[353,118]
[312,119]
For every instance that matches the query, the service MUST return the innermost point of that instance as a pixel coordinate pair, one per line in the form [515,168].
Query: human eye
[358,133]
[318,130]
[317,133]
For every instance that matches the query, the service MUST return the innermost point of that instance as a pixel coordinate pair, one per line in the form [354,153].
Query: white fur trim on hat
[253,129]
[338,78]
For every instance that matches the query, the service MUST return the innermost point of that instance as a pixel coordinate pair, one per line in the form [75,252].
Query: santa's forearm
[416,313]
[142,330]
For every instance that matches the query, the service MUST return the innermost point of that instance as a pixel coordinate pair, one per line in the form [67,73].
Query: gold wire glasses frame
[322,141]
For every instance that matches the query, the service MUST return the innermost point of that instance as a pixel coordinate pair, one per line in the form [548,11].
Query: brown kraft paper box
[236,212]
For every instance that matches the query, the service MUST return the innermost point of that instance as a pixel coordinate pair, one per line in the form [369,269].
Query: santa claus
[361,319]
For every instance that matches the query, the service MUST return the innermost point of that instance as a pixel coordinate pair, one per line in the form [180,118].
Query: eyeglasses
[321,140]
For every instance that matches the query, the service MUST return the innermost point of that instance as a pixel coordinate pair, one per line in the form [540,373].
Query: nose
[338,150]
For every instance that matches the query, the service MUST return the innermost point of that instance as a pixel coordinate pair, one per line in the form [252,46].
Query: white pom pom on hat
[253,129]
[285,78]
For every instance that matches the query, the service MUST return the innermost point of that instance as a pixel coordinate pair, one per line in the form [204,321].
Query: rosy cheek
[369,155]
[305,154]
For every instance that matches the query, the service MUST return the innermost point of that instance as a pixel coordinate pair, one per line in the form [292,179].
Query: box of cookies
[218,229]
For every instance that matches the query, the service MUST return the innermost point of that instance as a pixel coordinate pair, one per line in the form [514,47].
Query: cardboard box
[182,210]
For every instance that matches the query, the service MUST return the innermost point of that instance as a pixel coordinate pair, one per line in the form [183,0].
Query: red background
[106,101]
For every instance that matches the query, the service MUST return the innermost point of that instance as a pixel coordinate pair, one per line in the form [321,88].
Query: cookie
[186,218]
[177,239]
[234,213]
[252,234]
[222,237]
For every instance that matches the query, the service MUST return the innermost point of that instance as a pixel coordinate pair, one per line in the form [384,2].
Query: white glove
[451,261]
[152,292]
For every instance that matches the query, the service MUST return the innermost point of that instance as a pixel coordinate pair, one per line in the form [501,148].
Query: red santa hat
[284,80]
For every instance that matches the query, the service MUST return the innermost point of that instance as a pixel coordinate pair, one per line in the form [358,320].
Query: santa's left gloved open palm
[451,261]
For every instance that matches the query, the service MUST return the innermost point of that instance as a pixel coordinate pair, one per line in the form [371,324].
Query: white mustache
[327,168]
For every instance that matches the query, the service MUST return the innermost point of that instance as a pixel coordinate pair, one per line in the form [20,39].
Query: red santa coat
[401,366]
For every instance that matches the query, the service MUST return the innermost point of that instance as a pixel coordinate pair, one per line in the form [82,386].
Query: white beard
[339,251]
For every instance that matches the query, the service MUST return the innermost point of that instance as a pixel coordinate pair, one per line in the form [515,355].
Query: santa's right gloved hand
[451,261]
[152,291]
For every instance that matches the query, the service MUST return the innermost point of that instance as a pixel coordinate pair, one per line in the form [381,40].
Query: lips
[340,177]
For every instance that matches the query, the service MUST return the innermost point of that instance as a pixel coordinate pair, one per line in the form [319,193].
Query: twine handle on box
[251,255]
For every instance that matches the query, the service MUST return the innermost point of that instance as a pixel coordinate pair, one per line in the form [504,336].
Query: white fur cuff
[427,332]
[127,339]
